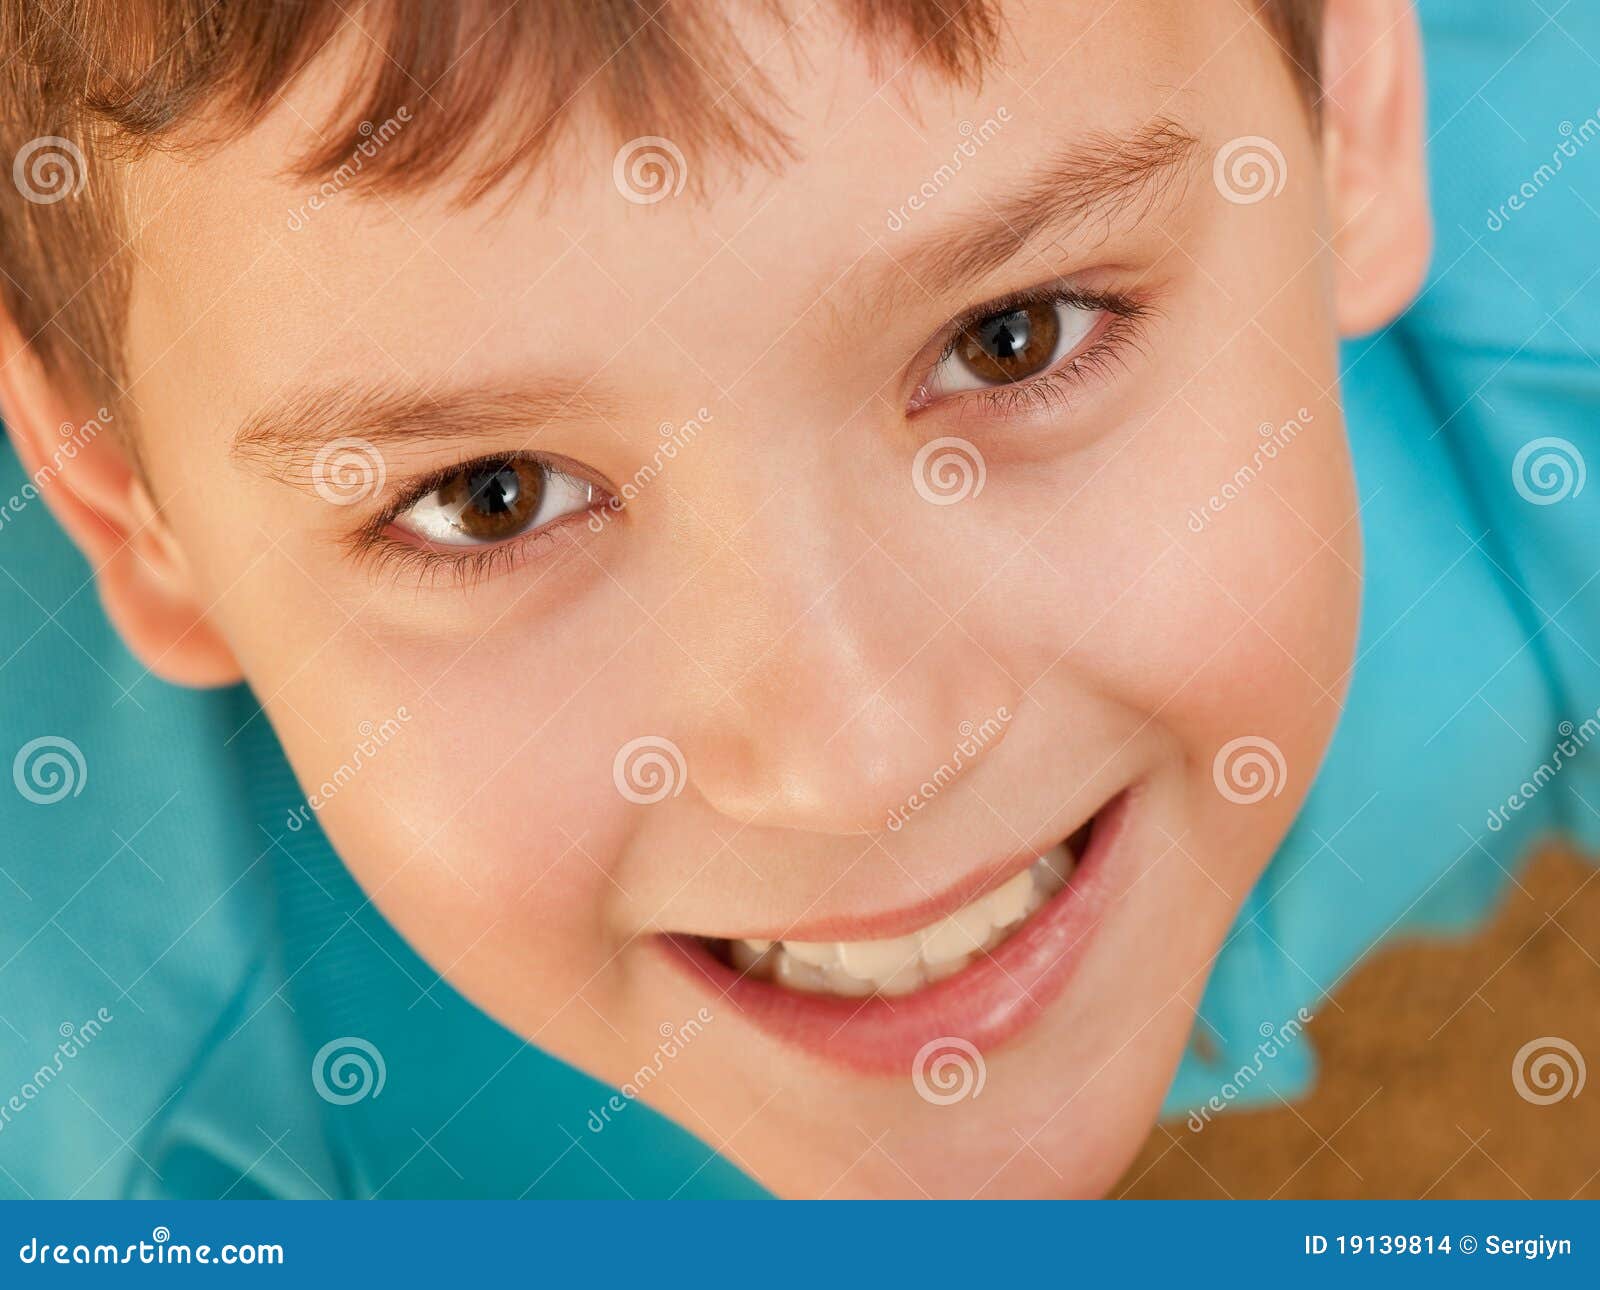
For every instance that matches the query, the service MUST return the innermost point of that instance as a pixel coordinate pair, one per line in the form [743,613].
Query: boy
[744,467]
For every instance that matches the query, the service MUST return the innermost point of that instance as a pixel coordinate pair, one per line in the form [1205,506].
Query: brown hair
[86,83]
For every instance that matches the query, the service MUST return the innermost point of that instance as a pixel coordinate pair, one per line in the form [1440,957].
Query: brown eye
[495,500]
[1012,346]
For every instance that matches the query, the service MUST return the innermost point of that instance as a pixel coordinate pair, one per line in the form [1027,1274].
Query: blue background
[228,949]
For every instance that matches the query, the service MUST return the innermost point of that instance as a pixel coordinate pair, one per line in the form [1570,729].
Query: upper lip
[988,1001]
[910,918]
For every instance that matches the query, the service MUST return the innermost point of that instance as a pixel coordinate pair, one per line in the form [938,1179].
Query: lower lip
[985,1004]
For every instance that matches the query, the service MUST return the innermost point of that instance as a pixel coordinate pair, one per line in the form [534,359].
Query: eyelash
[469,566]
[1122,330]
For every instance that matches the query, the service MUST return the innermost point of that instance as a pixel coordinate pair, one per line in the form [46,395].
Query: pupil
[494,491]
[1011,346]
[1006,336]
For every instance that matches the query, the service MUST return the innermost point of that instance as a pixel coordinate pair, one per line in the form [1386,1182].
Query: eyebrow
[282,439]
[1104,176]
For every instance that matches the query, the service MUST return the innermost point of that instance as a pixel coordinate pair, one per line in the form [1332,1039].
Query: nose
[842,689]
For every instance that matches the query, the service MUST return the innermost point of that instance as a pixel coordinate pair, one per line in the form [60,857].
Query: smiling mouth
[980,962]
[900,965]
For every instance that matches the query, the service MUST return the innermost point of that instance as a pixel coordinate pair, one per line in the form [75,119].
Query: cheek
[1203,625]
[1138,581]
[465,780]
[486,856]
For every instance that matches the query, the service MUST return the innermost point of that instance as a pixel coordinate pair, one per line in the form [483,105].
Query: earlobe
[1375,156]
[76,457]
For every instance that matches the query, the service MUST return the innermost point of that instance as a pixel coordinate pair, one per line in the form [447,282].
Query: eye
[1013,342]
[492,501]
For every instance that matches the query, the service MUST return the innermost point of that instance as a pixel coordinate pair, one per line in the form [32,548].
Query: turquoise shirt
[173,960]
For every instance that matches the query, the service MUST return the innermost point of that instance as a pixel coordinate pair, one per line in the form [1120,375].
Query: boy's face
[809,618]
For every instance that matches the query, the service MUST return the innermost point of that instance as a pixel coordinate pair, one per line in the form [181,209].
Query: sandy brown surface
[1416,1097]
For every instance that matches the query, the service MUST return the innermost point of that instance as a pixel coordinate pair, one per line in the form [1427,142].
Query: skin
[781,602]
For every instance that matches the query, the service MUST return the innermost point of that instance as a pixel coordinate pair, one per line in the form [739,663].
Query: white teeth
[747,958]
[874,960]
[898,965]
[959,935]
[817,953]
[1008,901]
[798,974]
[841,982]
[904,981]
[949,967]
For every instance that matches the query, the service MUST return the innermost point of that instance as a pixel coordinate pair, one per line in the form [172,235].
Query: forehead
[246,279]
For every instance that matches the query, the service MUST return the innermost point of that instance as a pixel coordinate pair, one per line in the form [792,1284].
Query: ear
[75,455]
[1375,158]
